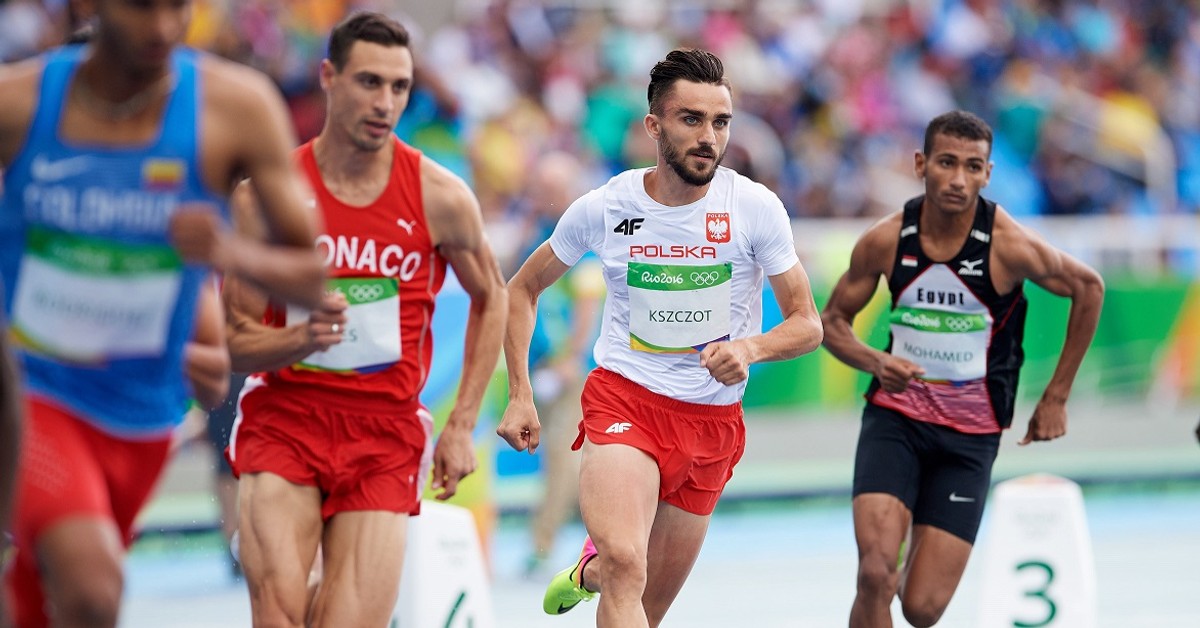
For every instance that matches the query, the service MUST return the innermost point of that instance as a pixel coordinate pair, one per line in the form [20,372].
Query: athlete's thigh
[279,528]
[675,541]
[363,553]
[955,481]
[80,559]
[934,568]
[618,494]
[881,523]
[887,457]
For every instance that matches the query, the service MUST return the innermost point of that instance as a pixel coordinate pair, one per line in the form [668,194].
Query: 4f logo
[629,225]
[717,227]
[618,428]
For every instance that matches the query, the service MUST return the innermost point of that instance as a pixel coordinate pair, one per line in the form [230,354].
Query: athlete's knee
[277,616]
[87,599]
[922,612]
[878,576]
[623,566]
[272,608]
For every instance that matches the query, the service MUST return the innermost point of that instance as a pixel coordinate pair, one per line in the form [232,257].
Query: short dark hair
[961,124]
[376,28]
[691,64]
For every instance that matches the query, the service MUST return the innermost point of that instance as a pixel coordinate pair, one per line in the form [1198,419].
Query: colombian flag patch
[163,174]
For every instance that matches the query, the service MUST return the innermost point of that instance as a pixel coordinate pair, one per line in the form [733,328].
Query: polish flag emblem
[717,227]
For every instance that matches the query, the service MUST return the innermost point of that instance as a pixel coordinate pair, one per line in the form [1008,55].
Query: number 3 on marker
[1040,593]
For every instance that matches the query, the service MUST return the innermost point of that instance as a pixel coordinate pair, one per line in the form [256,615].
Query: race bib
[678,309]
[87,299]
[371,340]
[950,346]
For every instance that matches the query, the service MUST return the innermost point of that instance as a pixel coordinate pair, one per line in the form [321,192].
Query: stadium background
[1096,107]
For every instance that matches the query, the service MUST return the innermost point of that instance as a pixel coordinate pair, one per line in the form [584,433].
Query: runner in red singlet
[332,444]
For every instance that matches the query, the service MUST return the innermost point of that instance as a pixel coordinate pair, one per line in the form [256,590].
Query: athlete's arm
[18,98]
[520,426]
[799,333]
[10,430]
[871,259]
[255,346]
[205,356]
[456,226]
[284,264]
[1023,254]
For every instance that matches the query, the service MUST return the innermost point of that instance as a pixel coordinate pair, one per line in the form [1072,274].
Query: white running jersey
[677,277]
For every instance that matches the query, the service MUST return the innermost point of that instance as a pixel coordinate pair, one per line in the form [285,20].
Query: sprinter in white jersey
[685,246]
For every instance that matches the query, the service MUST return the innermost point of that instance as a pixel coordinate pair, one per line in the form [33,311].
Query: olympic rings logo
[705,278]
[365,292]
[958,323]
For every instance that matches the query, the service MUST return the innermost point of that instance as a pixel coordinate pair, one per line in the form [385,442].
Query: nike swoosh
[562,609]
[956,498]
[44,170]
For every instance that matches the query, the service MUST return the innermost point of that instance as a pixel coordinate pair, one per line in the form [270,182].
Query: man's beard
[675,159]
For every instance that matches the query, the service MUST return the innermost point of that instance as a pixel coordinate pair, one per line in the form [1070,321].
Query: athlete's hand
[200,237]
[728,362]
[520,427]
[327,323]
[453,459]
[894,373]
[1049,421]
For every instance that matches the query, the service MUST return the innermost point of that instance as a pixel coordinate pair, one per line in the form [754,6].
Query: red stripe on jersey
[964,407]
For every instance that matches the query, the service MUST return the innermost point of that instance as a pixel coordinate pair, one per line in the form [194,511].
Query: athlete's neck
[105,79]
[342,161]
[666,188]
[938,223]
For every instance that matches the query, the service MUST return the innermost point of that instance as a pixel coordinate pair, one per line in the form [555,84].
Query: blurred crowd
[1096,103]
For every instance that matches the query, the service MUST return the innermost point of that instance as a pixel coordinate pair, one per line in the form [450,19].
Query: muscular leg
[363,553]
[80,560]
[675,542]
[936,563]
[618,496]
[279,526]
[881,522]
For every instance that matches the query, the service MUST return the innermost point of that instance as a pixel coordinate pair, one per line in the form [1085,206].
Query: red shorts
[69,469]
[696,445]
[361,457]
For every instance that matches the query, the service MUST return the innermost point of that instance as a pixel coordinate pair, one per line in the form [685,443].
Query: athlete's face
[368,95]
[955,170]
[692,130]
[142,33]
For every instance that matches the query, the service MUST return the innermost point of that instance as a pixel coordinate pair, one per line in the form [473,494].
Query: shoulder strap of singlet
[181,121]
[60,66]
[985,216]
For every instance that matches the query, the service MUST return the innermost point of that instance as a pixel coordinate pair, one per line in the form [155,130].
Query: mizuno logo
[404,224]
[954,497]
[618,428]
[971,267]
[629,225]
[44,170]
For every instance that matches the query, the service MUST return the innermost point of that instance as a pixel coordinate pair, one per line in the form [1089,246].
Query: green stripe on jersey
[938,321]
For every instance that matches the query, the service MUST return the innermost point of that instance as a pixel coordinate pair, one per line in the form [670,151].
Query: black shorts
[941,475]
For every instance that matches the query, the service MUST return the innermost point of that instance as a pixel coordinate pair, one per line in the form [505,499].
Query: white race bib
[950,346]
[678,309]
[87,299]
[371,340]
